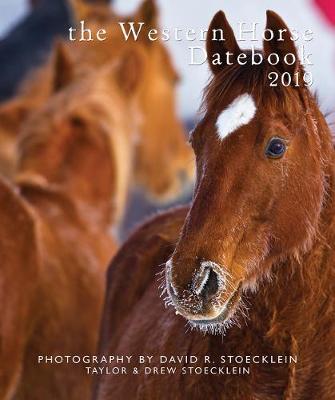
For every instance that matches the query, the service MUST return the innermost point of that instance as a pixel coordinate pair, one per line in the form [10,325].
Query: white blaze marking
[240,112]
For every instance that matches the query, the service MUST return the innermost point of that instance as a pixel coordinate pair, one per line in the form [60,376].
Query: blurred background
[27,34]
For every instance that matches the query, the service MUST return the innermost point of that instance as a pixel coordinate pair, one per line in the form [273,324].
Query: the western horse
[254,262]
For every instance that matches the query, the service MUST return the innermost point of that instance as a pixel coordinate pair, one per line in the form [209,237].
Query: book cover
[167,200]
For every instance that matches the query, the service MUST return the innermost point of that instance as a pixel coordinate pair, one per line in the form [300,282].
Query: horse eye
[275,148]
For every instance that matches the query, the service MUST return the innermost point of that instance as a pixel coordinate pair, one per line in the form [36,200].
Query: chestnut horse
[73,174]
[164,162]
[254,262]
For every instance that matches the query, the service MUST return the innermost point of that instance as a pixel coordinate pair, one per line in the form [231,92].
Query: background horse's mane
[63,106]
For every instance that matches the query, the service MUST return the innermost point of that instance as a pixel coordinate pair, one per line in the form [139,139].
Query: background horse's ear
[12,113]
[63,67]
[147,13]
[281,44]
[81,10]
[129,71]
[219,22]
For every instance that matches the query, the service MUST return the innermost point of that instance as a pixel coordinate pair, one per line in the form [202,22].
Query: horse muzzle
[210,296]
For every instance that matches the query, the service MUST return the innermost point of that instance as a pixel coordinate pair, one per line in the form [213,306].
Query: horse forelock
[239,79]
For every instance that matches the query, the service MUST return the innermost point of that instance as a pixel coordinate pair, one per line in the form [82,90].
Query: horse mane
[37,129]
[31,139]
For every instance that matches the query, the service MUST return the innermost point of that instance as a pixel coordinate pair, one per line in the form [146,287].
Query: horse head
[262,159]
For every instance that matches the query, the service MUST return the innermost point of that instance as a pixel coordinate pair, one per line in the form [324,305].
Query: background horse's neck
[56,204]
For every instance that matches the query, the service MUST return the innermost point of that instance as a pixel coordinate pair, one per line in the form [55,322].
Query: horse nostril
[206,283]
[211,286]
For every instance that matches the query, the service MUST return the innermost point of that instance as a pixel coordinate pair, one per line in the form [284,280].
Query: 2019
[287,79]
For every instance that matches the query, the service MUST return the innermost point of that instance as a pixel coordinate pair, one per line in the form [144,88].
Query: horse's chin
[225,317]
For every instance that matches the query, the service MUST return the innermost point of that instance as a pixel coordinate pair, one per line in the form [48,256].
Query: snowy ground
[299,14]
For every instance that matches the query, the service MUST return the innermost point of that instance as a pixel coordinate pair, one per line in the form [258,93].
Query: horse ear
[215,46]
[148,14]
[129,71]
[12,114]
[80,9]
[63,67]
[281,44]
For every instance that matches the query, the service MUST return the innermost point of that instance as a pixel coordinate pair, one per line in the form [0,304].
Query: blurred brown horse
[73,175]
[163,162]
[259,234]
